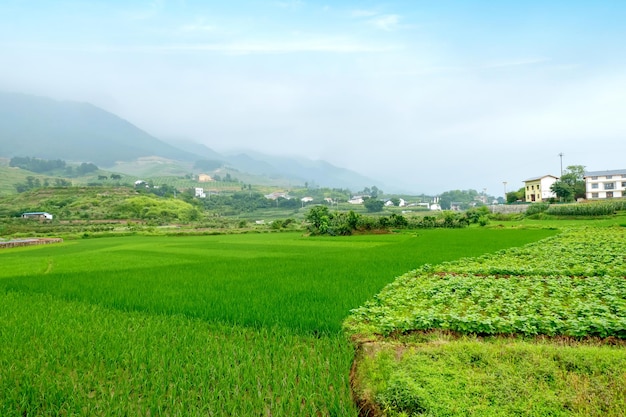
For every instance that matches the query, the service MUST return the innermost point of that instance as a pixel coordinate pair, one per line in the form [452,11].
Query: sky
[426,96]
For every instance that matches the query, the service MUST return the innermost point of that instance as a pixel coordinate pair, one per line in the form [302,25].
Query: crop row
[575,252]
[62,358]
[603,208]
[572,284]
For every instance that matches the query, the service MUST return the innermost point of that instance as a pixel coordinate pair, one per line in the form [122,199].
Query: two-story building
[537,189]
[605,184]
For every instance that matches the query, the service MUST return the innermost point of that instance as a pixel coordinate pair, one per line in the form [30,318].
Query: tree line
[321,221]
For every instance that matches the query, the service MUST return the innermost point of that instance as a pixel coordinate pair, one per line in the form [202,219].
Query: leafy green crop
[572,284]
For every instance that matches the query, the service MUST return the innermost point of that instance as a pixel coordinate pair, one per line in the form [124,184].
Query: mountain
[300,169]
[199,150]
[49,129]
[81,132]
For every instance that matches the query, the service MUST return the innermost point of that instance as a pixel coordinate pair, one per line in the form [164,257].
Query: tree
[464,197]
[513,196]
[571,185]
[319,218]
[86,168]
[373,205]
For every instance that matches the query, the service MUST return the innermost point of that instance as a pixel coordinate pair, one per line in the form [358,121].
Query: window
[594,178]
[609,186]
[594,186]
[608,177]
[594,195]
[623,184]
[609,194]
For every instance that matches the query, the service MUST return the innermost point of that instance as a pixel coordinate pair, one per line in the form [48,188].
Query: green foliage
[464,197]
[150,208]
[322,221]
[514,196]
[603,208]
[571,284]
[36,164]
[571,185]
[536,208]
[218,325]
[477,214]
[87,359]
[494,377]
[567,285]
[86,168]
[373,205]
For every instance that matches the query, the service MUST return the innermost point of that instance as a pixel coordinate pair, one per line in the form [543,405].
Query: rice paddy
[213,325]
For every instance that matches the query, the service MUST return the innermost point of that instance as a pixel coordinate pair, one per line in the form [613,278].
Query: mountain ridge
[46,128]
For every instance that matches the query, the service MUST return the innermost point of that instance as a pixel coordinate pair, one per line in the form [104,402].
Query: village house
[40,215]
[537,189]
[204,178]
[605,184]
[277,195]
[357,199]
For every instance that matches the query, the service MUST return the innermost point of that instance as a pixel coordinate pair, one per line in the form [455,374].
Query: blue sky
[430,96]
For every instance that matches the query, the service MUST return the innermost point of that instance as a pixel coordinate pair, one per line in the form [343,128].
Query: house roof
[36,212]
[605,173]
[541,177]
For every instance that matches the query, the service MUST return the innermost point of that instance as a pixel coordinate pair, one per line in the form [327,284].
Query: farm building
[538,188]
[41,215]
[204,178]
[605,184]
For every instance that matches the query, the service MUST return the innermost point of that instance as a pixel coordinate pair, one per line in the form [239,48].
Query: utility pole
[561,155]
[504,183]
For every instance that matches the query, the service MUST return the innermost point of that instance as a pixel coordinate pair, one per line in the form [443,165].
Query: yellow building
[538,188]
[204,178]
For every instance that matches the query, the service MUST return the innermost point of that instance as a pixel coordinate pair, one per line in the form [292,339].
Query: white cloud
[387,22]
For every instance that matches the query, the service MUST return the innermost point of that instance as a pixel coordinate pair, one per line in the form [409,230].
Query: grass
[471,376]
[421,354]
[216,325]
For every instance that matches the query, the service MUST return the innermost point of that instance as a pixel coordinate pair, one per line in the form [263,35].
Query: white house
[41,215]
[357,199]
[276,195]
[605,184]
[200,192]
[537,189]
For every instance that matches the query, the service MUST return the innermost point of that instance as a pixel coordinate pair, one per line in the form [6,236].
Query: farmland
[207,325]
[555,307]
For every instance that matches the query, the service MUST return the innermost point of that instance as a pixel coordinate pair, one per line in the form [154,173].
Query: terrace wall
[29,242]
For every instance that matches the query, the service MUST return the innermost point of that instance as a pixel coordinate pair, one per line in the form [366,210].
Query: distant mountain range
[81,132]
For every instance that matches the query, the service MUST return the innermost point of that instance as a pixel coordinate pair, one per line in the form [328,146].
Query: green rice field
[245,325]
